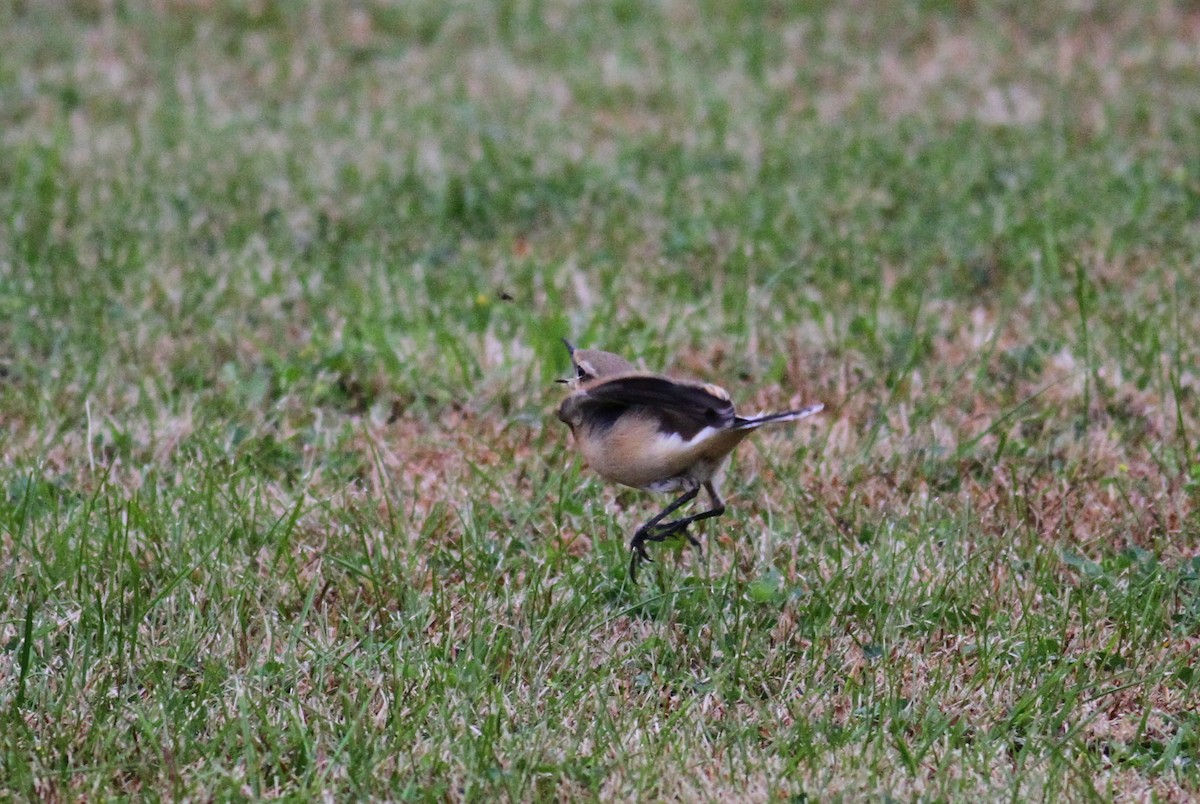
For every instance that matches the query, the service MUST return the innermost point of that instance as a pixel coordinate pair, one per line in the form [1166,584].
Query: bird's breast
[637,454]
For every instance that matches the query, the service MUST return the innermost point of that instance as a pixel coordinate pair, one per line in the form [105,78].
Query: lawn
[284,506]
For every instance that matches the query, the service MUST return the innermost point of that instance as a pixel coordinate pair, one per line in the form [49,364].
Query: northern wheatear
[656,433]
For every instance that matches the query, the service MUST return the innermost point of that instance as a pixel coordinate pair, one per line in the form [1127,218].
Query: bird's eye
[581,373]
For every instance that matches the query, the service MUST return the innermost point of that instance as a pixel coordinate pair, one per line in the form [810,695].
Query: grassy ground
[284,508]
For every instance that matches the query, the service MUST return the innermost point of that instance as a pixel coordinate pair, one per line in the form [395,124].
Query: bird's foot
[658,533]
[638,554]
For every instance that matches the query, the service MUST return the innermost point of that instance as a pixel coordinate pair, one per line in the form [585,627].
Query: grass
[284,509]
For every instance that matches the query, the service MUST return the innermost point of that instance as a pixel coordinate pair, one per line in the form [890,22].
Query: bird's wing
[681,407]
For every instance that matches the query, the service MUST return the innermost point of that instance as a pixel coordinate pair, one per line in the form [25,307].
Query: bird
[656,433]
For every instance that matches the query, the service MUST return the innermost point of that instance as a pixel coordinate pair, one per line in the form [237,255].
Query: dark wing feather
[681,407]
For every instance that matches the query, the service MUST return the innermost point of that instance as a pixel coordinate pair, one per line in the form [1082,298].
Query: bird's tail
[771,418]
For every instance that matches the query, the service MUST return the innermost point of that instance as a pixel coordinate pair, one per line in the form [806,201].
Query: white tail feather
[742,423]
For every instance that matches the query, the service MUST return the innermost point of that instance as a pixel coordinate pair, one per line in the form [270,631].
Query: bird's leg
[652,531]
[718,508]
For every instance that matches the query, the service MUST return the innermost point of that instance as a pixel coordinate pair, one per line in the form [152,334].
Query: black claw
[638,554]
[637,557]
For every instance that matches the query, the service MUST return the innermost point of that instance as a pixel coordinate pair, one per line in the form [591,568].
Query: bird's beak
[570,348]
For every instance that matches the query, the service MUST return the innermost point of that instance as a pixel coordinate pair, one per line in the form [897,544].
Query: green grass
[284,508]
